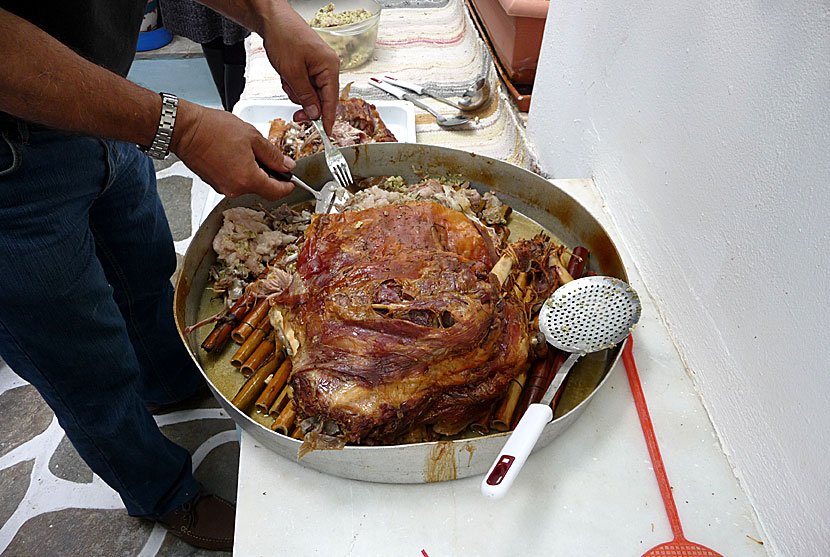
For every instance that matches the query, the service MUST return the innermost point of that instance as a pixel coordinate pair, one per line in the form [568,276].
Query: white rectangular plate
[399,116]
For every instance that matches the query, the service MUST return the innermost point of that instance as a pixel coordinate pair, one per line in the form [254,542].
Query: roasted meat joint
[408,316]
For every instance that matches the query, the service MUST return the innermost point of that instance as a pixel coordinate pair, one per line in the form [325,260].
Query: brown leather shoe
[206,521]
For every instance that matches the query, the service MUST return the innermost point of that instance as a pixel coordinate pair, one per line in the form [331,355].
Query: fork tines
[335,160]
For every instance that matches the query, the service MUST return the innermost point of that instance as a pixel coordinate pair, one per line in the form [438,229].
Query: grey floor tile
[14,482]
[67,464]
[174,192]
[86,532]
[24,415]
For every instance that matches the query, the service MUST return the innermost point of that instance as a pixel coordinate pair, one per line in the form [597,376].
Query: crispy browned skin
[277,131]
[401,323]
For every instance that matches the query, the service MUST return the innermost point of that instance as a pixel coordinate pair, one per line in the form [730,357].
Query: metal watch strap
[161,142]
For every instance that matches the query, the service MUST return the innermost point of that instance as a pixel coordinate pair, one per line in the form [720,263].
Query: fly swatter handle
[515,452]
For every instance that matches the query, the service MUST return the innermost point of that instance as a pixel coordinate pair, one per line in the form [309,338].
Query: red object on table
[679,546]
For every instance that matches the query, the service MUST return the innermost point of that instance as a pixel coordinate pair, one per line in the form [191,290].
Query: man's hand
[308,67]
[223,151]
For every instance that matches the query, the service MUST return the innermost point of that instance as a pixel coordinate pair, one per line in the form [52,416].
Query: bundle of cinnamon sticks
[260,358]
[530,385]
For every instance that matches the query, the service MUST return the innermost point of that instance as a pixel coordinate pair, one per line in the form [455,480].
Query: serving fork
[334,159]
[325,197]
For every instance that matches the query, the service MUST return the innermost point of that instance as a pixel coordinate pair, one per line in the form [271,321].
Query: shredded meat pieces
[399,326]
[246,239]
[356,122]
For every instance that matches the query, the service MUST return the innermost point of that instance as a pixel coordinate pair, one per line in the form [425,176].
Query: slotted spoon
[582,316]
[679,546]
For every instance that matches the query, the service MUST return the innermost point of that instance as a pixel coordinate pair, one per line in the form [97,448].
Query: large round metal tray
[525,192]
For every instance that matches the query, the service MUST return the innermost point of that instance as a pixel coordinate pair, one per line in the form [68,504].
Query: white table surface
[591,492]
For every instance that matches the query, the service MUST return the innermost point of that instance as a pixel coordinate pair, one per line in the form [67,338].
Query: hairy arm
[308,67]
[43,81]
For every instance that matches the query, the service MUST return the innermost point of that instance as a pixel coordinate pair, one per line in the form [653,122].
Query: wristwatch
[160,147]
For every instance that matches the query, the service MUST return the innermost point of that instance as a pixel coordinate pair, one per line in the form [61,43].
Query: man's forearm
[43,81]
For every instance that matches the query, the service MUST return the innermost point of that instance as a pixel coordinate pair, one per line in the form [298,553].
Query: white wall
[705,126]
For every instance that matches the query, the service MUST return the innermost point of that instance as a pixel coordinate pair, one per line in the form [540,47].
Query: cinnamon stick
[285,420]
[251,321]
[521,280]
[503,416]
[251,389]
[541,376]
[576,265]
[534,386]
[224,325]
[559,358]
[503,266]
[282,399]
[263,352]
[275,384]
[482,425]
[251,343]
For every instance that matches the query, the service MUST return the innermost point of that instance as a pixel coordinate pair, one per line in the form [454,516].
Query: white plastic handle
[512,457]
[401,83]
[391,89]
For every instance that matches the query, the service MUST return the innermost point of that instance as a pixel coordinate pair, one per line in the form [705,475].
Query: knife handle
[401,83]
[288,177]
[276,174]
[391,89]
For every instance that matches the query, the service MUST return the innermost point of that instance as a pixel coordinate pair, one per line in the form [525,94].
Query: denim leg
[135,247]
[62,322]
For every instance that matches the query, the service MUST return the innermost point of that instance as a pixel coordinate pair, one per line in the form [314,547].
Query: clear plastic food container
[354,43]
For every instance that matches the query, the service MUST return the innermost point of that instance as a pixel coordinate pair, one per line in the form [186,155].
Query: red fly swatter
[679,546]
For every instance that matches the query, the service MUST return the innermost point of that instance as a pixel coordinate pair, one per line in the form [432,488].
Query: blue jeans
[86,306]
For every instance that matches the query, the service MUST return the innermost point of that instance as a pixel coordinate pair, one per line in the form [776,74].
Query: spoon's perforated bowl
[590,314]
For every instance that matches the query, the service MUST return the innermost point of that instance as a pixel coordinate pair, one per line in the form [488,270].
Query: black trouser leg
[235,59]
[214,55]
[227,66]
[234,83]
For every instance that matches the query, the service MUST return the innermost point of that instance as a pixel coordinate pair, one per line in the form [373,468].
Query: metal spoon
[444,121]
[585,315]
[475,96]
[473,99]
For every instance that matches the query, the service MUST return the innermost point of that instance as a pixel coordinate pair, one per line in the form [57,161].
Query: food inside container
[350,27]
[537,206]
[408,318]
[356,122]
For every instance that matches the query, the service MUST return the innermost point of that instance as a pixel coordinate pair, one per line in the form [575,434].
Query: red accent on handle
[500,471]
[375,80]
